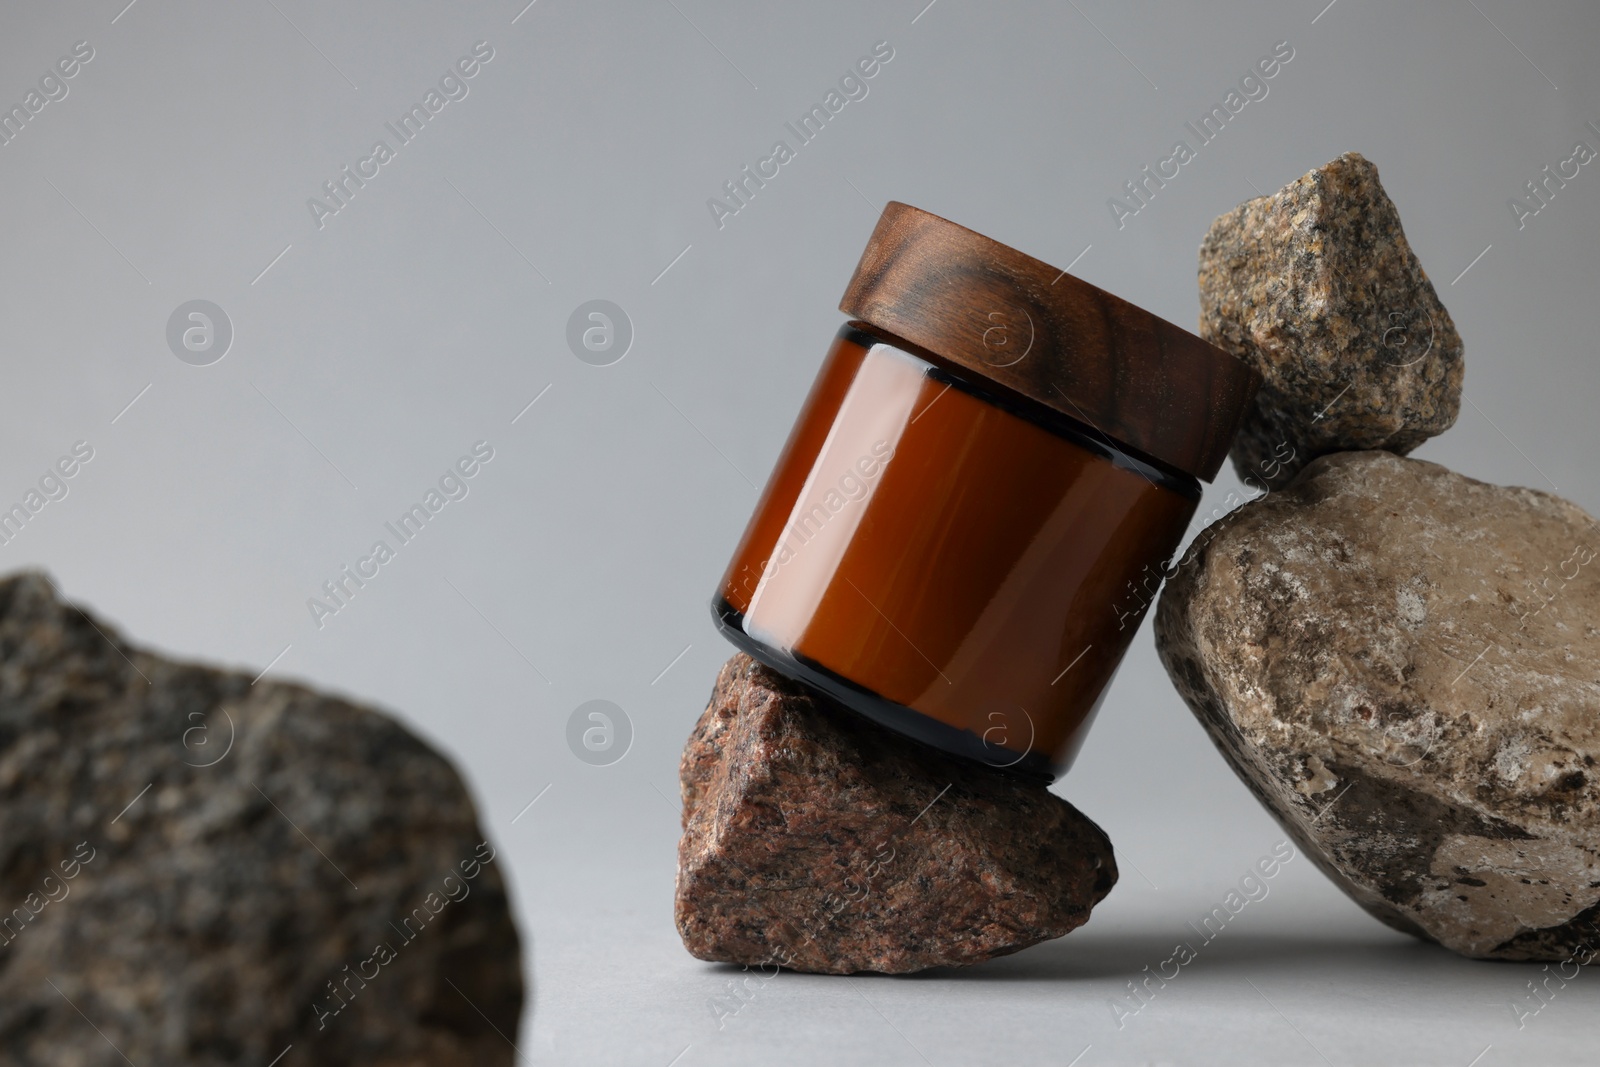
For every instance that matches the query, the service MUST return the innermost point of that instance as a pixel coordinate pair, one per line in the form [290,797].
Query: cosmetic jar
[977,502]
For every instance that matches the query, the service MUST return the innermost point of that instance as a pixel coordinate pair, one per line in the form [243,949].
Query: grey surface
[430,311]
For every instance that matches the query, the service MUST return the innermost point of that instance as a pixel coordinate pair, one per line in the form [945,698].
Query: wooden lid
[1152,387]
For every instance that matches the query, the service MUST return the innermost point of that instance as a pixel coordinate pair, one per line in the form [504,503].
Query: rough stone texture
[204,926]
[1404,665]
[816,840]
[1316,287]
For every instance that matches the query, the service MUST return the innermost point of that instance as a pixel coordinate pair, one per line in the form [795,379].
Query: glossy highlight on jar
[949,539]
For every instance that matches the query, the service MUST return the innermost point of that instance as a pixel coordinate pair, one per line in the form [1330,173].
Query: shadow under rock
[1109,954]
[1091,956]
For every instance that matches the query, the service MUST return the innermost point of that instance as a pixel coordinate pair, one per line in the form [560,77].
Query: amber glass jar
[971,513]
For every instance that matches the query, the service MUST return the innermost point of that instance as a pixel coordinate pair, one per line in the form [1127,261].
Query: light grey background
[426,315]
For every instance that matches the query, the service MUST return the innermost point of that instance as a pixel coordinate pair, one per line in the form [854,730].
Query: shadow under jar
[994,466]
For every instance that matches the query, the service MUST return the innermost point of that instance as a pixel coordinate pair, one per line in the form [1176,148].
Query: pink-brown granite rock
[814,839]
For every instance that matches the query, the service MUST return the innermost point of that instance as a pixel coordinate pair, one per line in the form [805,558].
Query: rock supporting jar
[978,497]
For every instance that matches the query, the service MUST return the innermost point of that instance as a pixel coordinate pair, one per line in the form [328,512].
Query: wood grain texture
[1156,389]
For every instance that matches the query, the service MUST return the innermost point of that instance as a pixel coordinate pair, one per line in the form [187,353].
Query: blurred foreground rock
[208,871]
[1404,665]
[813,839]
[1317,288]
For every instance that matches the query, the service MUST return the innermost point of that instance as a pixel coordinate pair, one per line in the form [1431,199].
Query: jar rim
[1046,418]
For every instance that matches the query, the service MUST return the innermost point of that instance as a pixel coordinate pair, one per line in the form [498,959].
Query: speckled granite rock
[151,877]
[814,839]
[1316,287]
[1404,665]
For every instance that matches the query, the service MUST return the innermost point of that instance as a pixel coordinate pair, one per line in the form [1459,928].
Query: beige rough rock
[816,840]
[1317,288]
[1404,665]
